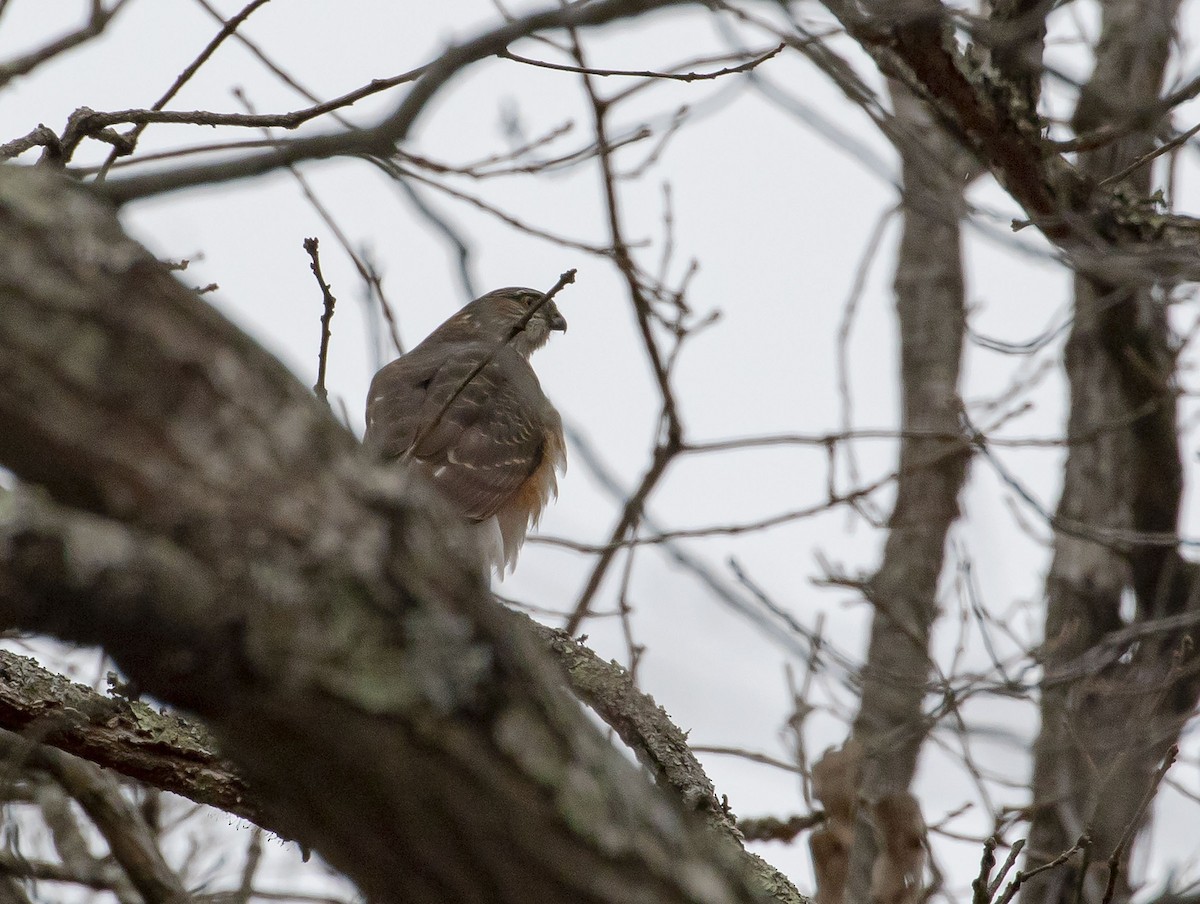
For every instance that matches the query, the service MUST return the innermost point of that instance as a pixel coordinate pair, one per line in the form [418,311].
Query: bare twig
[756,61]
[845,393]
[670,441]
[749,756]
[99,876]
[1150,156]
[630,515]
[392,168]
[311,246]
[1085,862]
[1009,862]
[42,136]
[1023,876]
[633,649]
[375,86]
[980,885]
[366,272]
[254,851]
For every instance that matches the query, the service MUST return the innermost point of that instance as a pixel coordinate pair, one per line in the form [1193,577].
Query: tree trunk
[1104,733]
[890,724]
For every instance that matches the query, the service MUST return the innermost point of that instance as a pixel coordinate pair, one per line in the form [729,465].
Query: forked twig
[1024,875]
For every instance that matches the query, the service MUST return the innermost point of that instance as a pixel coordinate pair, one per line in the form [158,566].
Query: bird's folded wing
[477,440]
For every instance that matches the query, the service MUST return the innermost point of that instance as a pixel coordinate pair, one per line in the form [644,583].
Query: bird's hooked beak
[558,321]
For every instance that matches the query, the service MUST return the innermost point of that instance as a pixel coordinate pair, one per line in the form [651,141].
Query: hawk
[466,409]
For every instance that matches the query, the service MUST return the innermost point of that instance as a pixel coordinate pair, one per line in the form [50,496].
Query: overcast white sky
[777,216]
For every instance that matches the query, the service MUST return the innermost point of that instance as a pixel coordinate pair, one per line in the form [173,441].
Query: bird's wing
[477,446]
[395,401]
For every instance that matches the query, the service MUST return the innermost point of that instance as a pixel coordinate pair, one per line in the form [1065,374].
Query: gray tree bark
[210,524]
[1105,732]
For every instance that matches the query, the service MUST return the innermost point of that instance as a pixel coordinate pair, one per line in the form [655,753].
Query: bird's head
[493,316]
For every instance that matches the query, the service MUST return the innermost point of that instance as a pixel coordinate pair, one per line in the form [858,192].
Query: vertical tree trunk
[1103,735]
[929,304]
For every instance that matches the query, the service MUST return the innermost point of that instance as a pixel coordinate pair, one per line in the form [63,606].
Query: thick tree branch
[158,749]
[349,658]
[658,743]
[167,752]
[1099,230]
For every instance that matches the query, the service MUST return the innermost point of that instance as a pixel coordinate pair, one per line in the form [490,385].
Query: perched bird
[466,408]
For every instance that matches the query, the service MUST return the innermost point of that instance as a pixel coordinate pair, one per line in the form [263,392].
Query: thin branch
[366,272]
[101,877]
[1137,164]
[42,136]
[1023,876]
[1009,862]
[670,427]
[100,796]
[630,515]
[254,851]
[283,76]
[753,63]
[845,391]
[98,20]
[749,756]
[393,130]
[987,860]
[397,172]
[311,246]
[584,451]
[184,77]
